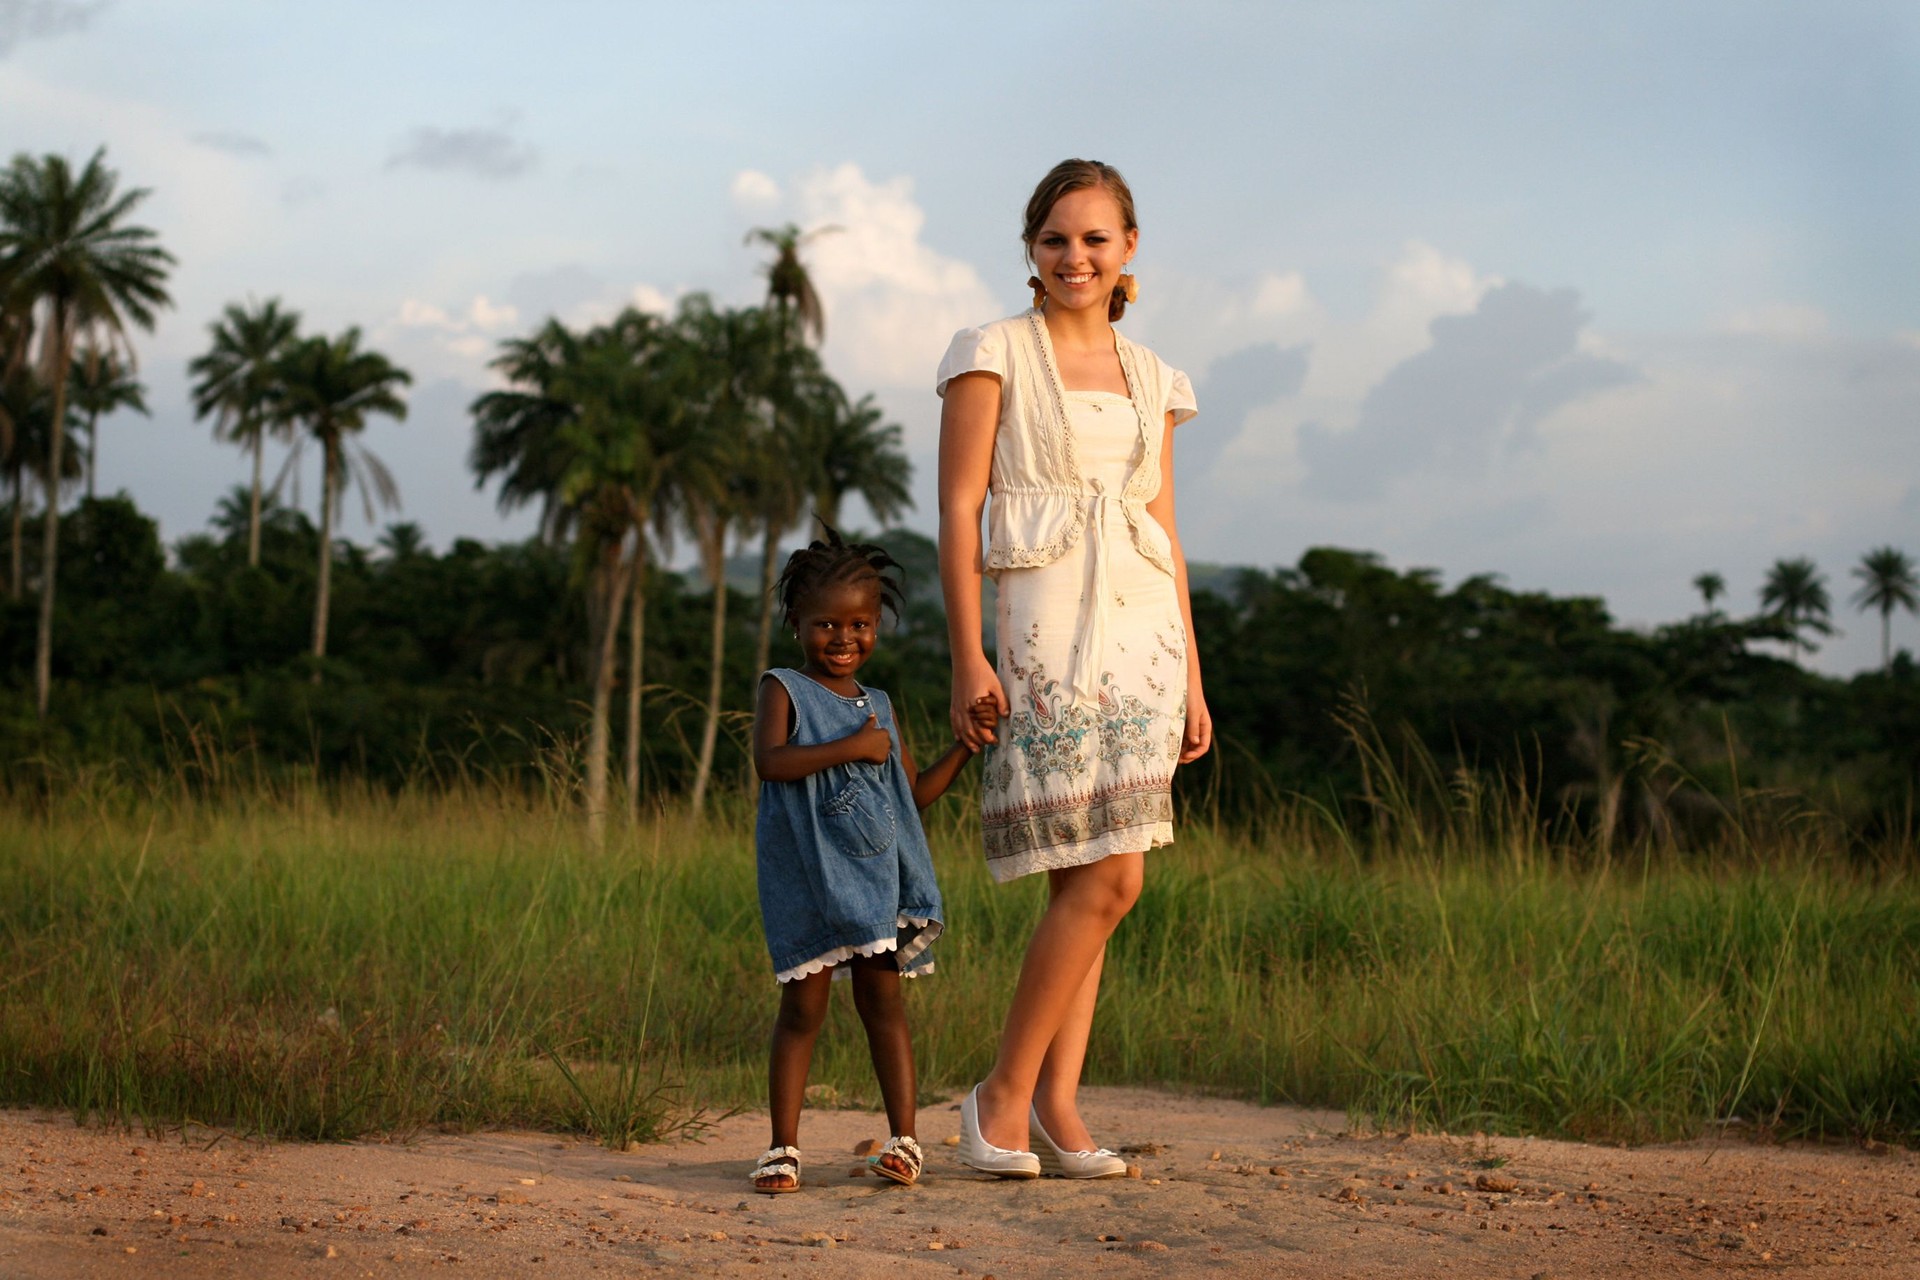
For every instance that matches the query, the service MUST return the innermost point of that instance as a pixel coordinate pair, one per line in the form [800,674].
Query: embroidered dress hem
[924,930]
[1132,840]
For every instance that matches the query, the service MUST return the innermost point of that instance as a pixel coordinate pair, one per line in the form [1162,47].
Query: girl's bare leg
[803,1007]
[1086,904]
[883,1012]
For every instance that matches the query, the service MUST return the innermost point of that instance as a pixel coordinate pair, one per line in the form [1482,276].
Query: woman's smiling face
[1081,247]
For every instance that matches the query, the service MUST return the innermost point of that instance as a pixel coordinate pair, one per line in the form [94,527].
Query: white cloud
[648,298]
[892,302]
[491,316]
[753,191]
[448,343]
[1415,289]
[1790,321]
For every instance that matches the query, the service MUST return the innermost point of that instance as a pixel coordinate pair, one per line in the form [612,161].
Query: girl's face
[1081,247]
[837,627]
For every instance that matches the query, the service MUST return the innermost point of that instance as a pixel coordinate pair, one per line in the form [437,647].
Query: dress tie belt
[1090,630]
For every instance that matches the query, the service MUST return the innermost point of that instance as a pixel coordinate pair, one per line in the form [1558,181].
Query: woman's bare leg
[1086,904]
[1056,1095]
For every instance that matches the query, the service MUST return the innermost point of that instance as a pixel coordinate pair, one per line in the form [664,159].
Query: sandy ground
[1224,1189]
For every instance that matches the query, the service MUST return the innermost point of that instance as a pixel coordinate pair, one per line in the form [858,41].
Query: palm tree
[857,453]
[1888,582]
[790,290]
[70,260]
[724,364]
[1795,594]
[782,465]
[588,429]
[239,385]
[330,388]
[403,541]
[26,408]
[1711,587]
[779,482]
[103,383]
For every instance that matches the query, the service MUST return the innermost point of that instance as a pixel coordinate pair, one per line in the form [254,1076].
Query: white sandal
[908,1152]
[778,1162]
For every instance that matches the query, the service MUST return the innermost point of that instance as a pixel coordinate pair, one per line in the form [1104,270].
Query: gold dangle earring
[1129,285]
[1039,292]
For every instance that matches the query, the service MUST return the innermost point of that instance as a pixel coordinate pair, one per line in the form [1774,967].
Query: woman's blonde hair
[1077,175]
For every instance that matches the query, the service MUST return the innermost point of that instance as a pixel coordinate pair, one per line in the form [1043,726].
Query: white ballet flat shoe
[977,1153]
[1074,1164]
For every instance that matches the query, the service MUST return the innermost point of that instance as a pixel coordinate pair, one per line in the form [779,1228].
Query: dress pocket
[856,817]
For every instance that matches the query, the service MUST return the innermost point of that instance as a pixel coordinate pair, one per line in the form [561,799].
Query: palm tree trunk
[636,653]
[253,512]
[16,582]
[326,551]
[714,552]
[613,587]
[93,449]
[50,544]
[1886,638]
[763,645]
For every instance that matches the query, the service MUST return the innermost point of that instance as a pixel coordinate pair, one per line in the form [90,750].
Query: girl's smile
[837,628]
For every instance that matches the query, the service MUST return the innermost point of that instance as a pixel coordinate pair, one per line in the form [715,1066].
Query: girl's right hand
[871,743]
[972,682]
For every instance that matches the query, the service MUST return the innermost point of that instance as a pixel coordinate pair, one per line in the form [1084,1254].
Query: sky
[1595,298]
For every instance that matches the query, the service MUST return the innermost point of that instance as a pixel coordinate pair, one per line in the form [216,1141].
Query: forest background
[316,835]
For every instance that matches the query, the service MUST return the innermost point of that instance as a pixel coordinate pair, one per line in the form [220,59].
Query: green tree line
[271,640]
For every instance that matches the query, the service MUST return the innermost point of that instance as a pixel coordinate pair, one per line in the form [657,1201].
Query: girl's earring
[1129,286]
[1039,292]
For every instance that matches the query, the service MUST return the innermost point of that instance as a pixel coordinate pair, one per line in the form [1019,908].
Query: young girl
[846,881]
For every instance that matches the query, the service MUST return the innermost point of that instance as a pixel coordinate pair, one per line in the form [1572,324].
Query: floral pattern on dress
[1055,736]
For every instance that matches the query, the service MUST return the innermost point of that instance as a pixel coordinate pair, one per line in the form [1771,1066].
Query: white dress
[1093,656]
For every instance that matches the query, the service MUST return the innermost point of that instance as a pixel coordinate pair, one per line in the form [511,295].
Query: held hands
[870,743]
[978,705]
[985,716]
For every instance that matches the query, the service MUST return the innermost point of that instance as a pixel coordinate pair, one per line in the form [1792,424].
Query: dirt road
[1225,1189]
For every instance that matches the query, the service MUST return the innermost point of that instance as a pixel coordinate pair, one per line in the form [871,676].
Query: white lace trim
[1057,857]
[929,930]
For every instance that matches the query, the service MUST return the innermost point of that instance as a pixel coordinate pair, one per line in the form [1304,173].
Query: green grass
[326,962]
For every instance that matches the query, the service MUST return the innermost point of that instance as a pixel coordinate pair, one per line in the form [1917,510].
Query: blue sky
[1593,297]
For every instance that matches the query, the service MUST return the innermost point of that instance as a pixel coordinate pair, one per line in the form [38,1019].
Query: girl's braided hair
[831,561]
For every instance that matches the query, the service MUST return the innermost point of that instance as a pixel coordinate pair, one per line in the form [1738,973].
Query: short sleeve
[972,351]
[1180,401]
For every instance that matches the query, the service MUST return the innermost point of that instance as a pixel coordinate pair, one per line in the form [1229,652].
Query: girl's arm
[931,785]
[969,416]
[1199,731]
[777,760]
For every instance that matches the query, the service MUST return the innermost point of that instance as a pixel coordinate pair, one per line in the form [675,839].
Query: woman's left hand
[1198,737]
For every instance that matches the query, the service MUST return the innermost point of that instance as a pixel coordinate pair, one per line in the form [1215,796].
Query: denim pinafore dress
[843,865]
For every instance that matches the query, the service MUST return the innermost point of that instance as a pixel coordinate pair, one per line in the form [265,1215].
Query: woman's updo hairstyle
[1077,175]
[830,562]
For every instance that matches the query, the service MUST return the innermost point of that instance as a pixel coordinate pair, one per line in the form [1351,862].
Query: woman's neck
[1084,329]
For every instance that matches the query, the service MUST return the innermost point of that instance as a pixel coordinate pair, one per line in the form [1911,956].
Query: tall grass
[325,961]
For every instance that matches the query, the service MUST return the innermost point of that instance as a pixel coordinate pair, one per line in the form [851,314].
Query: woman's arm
[777,760]
[968,419]
[1199,731]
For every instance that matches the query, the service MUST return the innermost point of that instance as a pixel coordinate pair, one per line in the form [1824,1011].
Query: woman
[1070,427]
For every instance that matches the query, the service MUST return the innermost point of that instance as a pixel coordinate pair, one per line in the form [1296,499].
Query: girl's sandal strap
[778,1162]
[905,1150]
